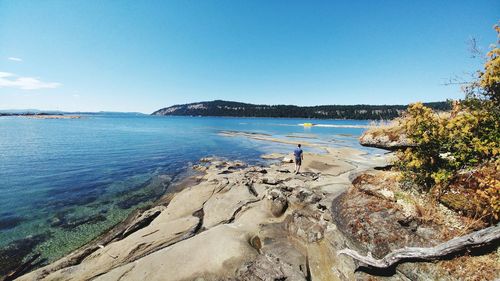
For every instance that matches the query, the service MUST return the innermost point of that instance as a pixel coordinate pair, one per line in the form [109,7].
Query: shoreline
[53,116]
[141,218]
[41,116]
[254,117]
[114,231]
[273,224]
[135,217]
[32,262]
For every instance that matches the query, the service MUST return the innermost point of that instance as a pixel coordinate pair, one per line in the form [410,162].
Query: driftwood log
[475,239]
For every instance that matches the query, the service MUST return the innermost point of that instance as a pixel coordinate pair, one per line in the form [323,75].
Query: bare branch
[474,49]
[473,240]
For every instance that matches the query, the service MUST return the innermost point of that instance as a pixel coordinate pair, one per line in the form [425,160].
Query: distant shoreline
[239,109]
[40,115]
[262,117]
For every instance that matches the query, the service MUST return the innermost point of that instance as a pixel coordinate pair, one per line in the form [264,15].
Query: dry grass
[390,129]
[472,224]
[429,213]
[383,124]
[468,267]
[475,193]
[393,129]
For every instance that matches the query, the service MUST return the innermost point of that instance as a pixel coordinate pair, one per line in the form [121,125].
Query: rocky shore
[239,222]
[54,116]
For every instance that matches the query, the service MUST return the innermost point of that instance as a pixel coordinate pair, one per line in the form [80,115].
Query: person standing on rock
[299,156]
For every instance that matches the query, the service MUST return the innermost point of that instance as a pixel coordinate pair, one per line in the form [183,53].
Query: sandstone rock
[268,267]
[138,244]
[385,140]
[272,156]
[216,252]
[304,226]
[257,169]
[378,191]
[306,196]
[277,202]
[295,183]
[249,223]
[378,183]
[270,181]
[200,168]
[143,220]
[223,206]
[260,189]
[215,164]
[378,225]
[325,264]
[196,196]
[208,159]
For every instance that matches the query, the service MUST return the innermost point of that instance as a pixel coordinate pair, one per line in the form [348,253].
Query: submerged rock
[15,258]
[272,156]
[67,222]
[135,200]
[10,221]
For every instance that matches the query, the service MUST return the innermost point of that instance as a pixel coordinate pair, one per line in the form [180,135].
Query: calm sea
[63,182]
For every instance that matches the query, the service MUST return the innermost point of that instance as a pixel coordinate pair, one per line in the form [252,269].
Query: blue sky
[144,55]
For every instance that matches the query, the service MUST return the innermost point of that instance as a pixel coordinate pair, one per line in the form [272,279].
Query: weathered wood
[473,240]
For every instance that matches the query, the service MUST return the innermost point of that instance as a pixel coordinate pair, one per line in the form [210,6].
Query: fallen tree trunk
[473,240]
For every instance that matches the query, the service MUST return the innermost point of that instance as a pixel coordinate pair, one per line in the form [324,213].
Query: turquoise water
[65,181]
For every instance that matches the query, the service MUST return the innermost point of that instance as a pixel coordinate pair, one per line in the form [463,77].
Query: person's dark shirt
[297,153]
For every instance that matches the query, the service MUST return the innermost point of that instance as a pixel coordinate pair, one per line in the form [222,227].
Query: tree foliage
[489,80]
[465,141]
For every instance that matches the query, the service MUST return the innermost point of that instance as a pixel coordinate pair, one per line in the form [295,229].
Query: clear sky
[143,55]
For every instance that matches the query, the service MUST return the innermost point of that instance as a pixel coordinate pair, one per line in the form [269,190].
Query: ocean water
[65,181]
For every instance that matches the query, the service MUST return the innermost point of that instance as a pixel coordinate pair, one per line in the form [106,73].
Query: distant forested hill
[238,109]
